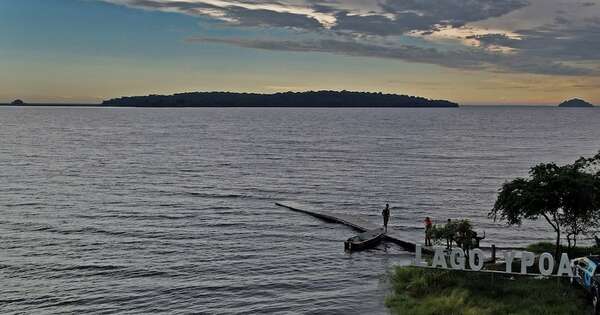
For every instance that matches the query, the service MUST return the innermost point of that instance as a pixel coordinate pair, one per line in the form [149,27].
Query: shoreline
[431,290]
[428,291]
[220,106]
[100,105]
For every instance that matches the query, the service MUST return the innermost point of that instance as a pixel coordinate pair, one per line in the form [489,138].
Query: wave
[91,267]
[23,204]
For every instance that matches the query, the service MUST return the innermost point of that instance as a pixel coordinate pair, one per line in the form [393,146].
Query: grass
[425,291]
[579,251]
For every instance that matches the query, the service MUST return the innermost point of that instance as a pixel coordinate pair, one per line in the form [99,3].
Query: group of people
[428,226]
[428,230]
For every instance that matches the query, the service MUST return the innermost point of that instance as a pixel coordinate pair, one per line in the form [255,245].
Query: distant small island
[17,102]
[287,99]
[575,103]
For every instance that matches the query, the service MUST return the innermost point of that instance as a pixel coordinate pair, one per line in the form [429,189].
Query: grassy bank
[424,291]
[573,252]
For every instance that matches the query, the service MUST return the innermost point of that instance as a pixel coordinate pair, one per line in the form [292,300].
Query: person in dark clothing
[386,216]
[450,231]
[428,226]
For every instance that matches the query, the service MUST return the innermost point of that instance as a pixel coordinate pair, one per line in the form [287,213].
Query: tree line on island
[287,99]
[576,102]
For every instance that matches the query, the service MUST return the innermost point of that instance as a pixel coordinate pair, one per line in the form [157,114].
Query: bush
[460,232]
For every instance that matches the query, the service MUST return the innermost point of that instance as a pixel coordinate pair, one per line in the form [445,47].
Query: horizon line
[90,104]
[97,101]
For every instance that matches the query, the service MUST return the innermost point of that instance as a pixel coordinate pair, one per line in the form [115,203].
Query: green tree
[459,231]
[567,197]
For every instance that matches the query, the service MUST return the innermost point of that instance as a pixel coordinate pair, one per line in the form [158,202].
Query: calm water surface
[172,211]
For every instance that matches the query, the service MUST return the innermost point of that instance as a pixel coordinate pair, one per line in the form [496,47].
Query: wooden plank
[354,221]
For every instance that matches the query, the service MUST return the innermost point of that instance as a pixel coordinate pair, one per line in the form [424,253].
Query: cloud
[383,25]
[454,12]
[469,59]
[524,36]
[560,41]
[380,18]
[400,17]
[242,13]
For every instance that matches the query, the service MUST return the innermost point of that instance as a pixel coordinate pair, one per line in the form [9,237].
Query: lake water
[106,210]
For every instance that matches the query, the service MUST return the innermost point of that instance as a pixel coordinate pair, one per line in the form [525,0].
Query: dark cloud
[399,17]
[453,12]
[495,40]
[359,30]
[241,15]
[186,7]
[349,48]
[574,44]
[383,25]
[261,17]
[395,17]
[564,42]
[472,59]
[594,20]
[561,20]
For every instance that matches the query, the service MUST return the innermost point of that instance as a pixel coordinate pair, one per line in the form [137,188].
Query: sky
[481,52]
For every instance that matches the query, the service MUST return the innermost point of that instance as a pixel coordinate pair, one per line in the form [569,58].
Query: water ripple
[137,211]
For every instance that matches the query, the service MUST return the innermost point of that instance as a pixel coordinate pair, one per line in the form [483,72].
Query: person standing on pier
[386,216]
[428,226]
[450,231]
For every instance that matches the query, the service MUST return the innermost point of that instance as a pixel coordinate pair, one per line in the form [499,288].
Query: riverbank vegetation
[567,197]
[573,251]
[421,291]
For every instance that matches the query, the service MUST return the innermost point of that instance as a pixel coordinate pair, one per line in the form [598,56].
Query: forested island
[575,103]
[287,99]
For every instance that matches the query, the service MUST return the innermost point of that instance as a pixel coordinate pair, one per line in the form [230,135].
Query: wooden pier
[353,221]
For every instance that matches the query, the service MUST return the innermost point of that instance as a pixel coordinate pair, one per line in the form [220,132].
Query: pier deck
[353,221]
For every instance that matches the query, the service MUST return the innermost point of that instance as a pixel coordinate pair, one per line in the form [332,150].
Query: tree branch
[555,227]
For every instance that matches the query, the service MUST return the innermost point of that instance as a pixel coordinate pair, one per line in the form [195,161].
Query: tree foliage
[460,231]
[567,197]
[287,99]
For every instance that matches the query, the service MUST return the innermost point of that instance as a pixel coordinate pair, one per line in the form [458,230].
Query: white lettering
[527,260]
[508,259]
[439,259]
[418,260]
[457,259]
[476,265]
[542,264]
[564,267]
